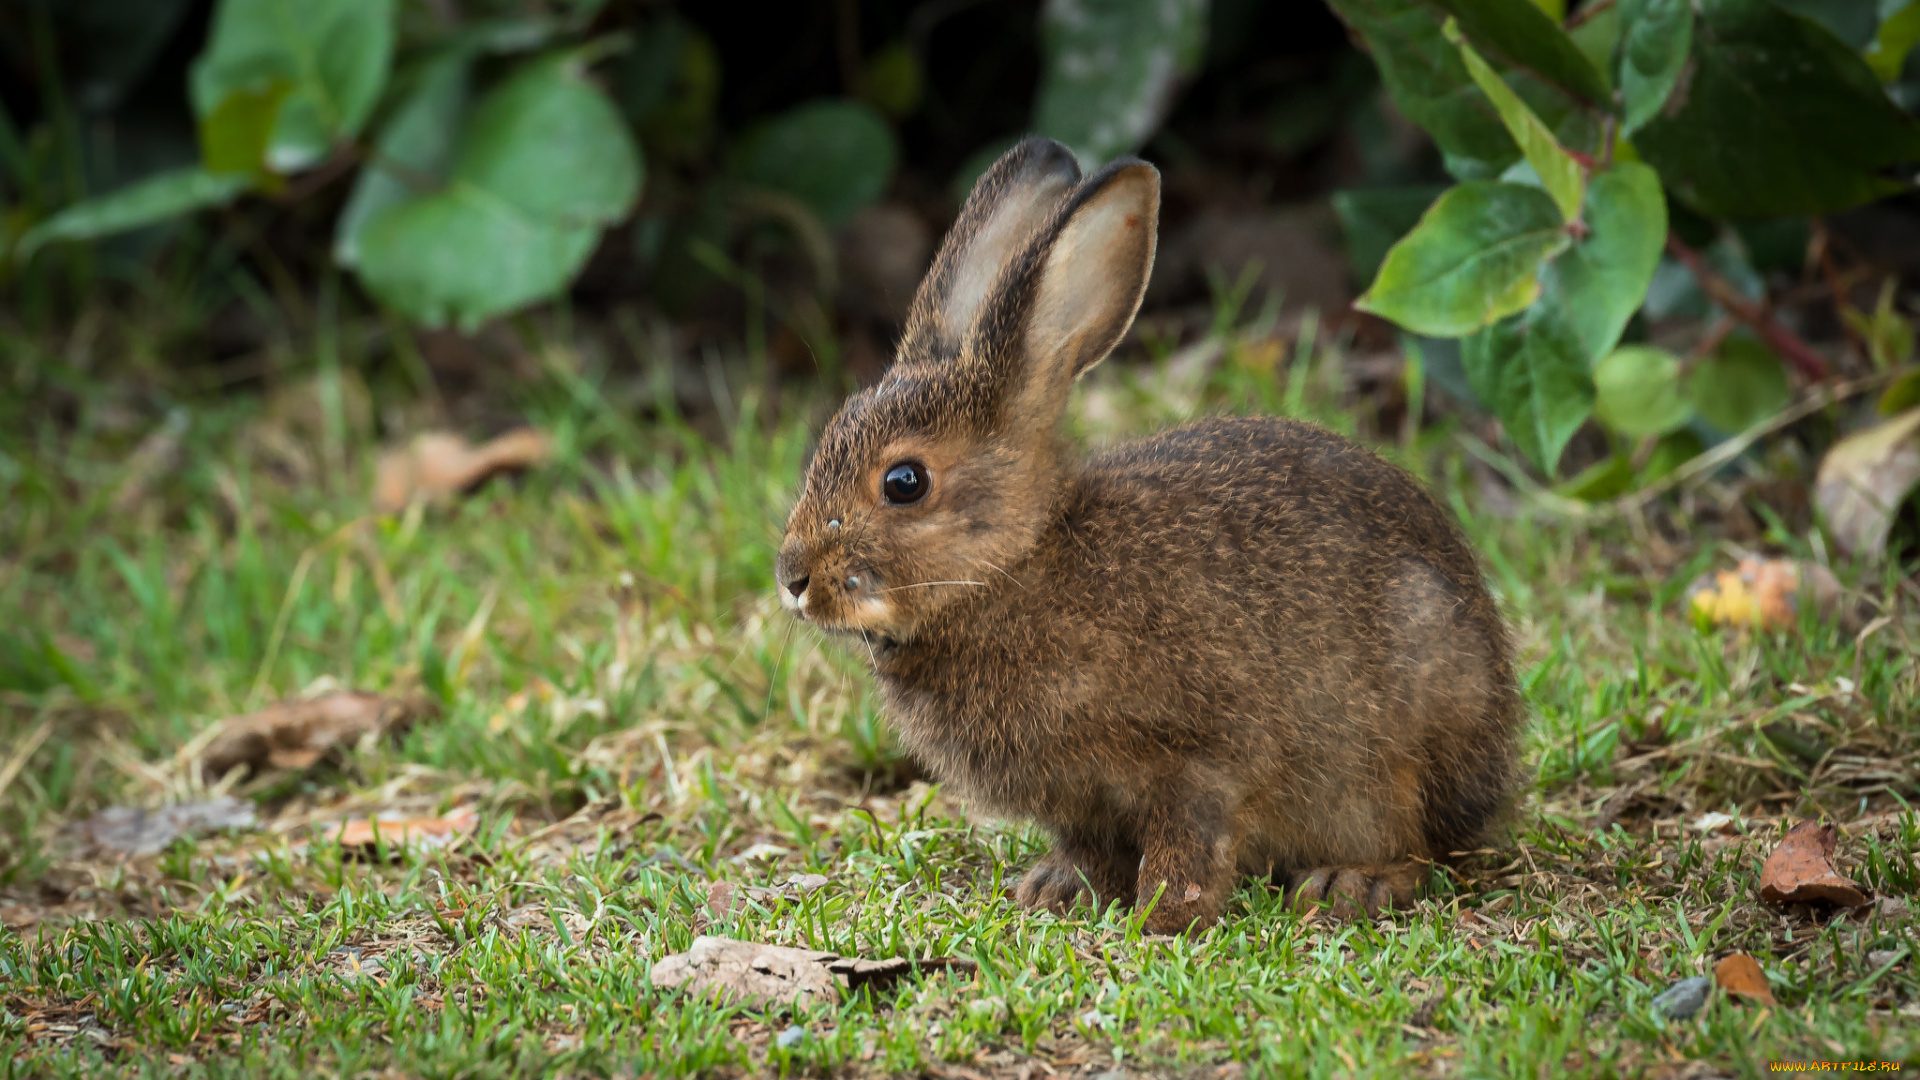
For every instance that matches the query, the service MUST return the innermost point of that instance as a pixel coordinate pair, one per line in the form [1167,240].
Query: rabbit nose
[799,585]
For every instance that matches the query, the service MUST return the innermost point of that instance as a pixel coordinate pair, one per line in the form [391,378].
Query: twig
[1710,341]
[1588,11]
[1788,344]
[1821,397]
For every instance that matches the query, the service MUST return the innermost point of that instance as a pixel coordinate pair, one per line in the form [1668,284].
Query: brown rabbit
[1240,646]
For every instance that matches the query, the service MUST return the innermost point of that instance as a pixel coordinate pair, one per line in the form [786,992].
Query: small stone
[1684,998]
[1892,907]
[1880,958]
[791,1037]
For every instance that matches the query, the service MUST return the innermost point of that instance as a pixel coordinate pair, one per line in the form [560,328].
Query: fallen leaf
[804,884]
[437,463]
[752,973]
[1801,871]
[1864,478]
[1684,998]
[430,832]
[1763,592]
[1740,976]
[297,734]
[131,830]
[1713,822]
[722,898]
[726,897]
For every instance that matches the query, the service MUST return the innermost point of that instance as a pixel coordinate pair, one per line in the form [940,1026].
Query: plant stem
[1756,315]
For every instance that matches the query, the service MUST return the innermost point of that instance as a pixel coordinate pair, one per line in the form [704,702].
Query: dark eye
[906,483]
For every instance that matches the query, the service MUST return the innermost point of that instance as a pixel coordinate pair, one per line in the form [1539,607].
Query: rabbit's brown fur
[1240,646]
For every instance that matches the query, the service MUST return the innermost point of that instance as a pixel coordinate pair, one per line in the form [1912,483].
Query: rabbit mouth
[855,604]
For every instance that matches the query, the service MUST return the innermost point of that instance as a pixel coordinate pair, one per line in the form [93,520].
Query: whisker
[786,642]
[925,584]
[1002,573]
[870,653]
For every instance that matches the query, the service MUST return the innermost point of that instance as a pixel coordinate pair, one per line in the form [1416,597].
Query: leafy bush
[489,159]
[1569,144]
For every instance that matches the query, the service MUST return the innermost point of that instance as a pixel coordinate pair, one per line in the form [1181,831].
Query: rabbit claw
[1351,891]
[1060,881]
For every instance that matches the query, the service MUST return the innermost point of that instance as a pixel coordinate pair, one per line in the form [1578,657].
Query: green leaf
[333,54]
[1531,371]
[1605,479]
[541,165]
[1637,392]
[1559,173]
[1852,21]
[235,136]
[147,202]
[1894,40]
[1776,118]
[1887,333]
[1109,69]
[1606,274]
[1671,452]
[463,255]
[549,143]
[1522,35]
[1474,258]
[1739,386]
[1654,44]
[1899,396]
[1430,84]
[834,156]
[1597,36]
[1374,219]
[413,151]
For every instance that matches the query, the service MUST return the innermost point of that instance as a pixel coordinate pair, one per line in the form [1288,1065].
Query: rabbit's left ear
[1074,295]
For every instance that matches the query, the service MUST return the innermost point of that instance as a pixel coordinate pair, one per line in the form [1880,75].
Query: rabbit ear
[1015,196]
[1073,294]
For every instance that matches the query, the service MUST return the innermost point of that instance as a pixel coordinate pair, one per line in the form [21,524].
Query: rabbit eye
[906,483]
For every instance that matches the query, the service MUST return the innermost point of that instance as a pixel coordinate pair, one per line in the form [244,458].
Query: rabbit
[1238,647]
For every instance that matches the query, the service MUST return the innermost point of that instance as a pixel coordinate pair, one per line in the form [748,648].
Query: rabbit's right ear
[1015,196]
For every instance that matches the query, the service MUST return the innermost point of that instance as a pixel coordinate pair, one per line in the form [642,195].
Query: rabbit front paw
[1350,891]
[1065,878]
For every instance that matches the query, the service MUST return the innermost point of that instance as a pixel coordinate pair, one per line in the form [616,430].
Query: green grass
[668,720]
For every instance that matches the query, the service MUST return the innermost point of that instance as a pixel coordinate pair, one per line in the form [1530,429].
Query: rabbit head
[948,469]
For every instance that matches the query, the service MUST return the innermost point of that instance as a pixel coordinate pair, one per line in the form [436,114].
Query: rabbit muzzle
[820,585]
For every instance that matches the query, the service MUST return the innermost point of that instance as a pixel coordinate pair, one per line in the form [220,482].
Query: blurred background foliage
[1730,218]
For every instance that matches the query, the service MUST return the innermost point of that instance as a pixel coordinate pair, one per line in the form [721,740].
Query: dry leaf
[749,972]
[1801,871]
[722,898]
[297,734]
[1740,976]
[726,897]
[429,832]
[134,831]
[437,463]
[1763,592]
[1863,480]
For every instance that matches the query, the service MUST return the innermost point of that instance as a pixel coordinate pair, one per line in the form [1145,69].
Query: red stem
[1810,364]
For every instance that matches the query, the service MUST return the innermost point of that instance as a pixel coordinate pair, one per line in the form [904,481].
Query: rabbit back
[1255,609]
